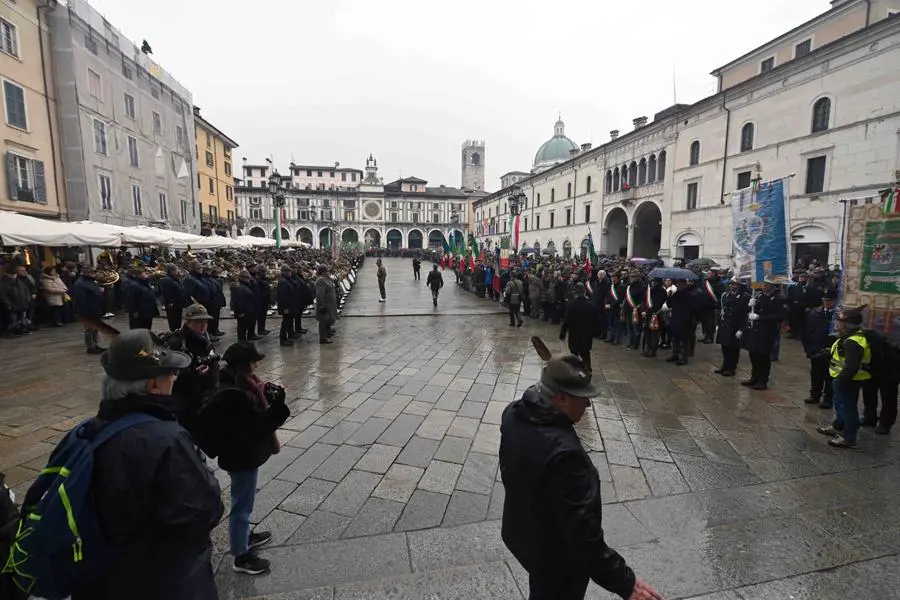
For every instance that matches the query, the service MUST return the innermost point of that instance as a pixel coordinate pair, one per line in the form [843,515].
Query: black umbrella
[703,263]
[672,273]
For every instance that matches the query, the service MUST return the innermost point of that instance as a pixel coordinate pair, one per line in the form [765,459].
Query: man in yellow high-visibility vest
[851,359]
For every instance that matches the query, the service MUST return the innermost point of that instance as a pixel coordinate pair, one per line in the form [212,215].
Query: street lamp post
[278,201]
[516,203]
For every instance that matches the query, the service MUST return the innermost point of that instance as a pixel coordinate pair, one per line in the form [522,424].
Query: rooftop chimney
[586,147]
[613,134]
[639,122]
[574,152]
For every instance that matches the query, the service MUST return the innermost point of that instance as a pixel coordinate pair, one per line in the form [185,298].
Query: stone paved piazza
[387,485]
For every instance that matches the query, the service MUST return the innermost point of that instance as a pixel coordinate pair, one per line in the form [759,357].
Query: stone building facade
[472,165]
[830,116]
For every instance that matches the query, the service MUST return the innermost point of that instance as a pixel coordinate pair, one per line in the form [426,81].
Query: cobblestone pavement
[387,485]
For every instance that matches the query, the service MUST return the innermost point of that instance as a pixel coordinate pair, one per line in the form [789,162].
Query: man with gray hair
[155,497]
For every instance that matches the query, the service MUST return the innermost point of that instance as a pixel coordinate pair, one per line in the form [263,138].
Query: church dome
[556,150]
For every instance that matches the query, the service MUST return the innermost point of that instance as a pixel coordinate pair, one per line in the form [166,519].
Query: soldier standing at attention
[382,275]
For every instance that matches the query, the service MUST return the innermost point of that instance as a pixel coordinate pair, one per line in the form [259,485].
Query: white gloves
[665,307]
[753,317]
[739,334]
[752,302]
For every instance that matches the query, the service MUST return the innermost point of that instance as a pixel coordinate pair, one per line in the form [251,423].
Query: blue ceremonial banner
[761,223]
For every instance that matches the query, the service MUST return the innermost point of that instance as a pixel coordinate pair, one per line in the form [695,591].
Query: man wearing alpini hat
[552,512]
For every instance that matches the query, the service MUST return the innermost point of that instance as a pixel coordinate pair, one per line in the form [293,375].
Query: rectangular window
[692,190]
[179,136]
[767,65]
[331,174]
[743,180]
[436,218]
[318,173]
[200,186]
[256,213]
[9,38]
[133,155]
[126,70]
[210,159]
[163,206]
[552,220]
[208,140]
[587,213]
[100,145]
[393,217]
[228,169]
[157,124]
[129,106]
[815,175]
[415,217]
[95,84]
[348,215]
[343,177]
[229,192]
[15,105]
[308,173]
[89,42]
[212,186]
[803,48]
[525,224]
[136,199]
[213,213]
[568,216]
[352,176]
[183,212]
[21,172]
[105,184]
[538,202]
[537,221]
[230,216]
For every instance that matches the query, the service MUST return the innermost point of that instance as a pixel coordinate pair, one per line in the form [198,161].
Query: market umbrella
[703,263]
[671,273]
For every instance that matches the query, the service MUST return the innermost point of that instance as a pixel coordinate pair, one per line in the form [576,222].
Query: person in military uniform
[613,307]
[513,295]
[172,296]
[552,512]
[263,299]
[761,332]
[417,268]
[732,317]
[326,305]
[243,303]
[287,299]
[851,358]
[817,341]
[435,281]
[579,325]
[797,306]
[305,297]
[382,276]
[709,316]
[654,297]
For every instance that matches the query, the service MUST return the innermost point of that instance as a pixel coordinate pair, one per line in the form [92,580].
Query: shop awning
[22,230]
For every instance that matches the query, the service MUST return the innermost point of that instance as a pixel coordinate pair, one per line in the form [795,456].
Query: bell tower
[473,165]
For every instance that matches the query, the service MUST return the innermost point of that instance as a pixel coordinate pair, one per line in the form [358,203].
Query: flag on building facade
[890,198]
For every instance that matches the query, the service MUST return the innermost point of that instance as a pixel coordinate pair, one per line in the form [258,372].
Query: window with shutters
[14,100]
[179,137]
[212,186]
[210,159]
[767,65]
[803,48]
[104,183]
[157,123]
[229,193]
[9,38]
[163,207]
[256,213]
[95,84]
[129,106]
[100,143]
[136,200]
[133,155]
[20,173]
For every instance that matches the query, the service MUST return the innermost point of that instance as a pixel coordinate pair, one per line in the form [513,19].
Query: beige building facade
[215,177]
[30,181]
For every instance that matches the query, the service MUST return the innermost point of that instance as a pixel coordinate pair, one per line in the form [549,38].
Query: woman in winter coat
[238,425]
[54,291]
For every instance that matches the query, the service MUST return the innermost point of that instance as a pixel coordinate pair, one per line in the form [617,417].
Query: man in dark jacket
[817,340]
[579,325]
[612,305]
[156,498]
[417,268]
[682,307]
[434,281]
[711,306]
[243,303]
[305,297]
[195,289]
[732,318]
[87,297]
[326,305]
[286,296]
[263,299]
[552,512]
[767,310]
[15,294]
[172,296]
[141,303]
[199,380]
[654,297]
[217,300]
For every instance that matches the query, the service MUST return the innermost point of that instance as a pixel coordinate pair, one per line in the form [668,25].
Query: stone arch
[615,180]
[647,219]
[822,110]
[350,236]
[257,232]
[436,239]
[694,153]
[812,240]
[372,238]
[616,230]
[551,247]
[688,245]
[285,234]
[632,174]
[325,237]
[305,235]
[661,166]
[642,172]
[414,239]
[394,239]
[608,182]
[567,249]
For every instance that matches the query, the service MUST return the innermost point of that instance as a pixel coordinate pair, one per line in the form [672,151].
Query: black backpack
[9,523]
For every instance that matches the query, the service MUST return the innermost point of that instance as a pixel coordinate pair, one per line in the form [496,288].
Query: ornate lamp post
[277,193]
[516,203]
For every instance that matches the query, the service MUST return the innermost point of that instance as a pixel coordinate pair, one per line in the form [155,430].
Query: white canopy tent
[22,230]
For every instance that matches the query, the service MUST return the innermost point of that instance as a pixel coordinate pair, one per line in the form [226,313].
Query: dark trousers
[582,351]
[287,325]
[731,355]
[324,328]
[416,275]
[514,316]
[298,325]
[216,314]
[173,316]
[261,320]
[244,328]
[887,389]
[140,322]
[381,289]
[680,347]
[820,379]
[665,336]
[760,367]
[479,290]
[556,588]
[526,305]
[650,342]
[708,325]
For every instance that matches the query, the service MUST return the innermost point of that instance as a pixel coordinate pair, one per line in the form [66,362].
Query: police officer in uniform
[767,311]
[732,317]
[655,297]
[817,341]
[851,358]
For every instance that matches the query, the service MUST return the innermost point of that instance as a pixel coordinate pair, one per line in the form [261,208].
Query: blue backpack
[59,546]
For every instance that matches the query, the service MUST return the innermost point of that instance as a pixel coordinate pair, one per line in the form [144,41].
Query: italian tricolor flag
[890,199]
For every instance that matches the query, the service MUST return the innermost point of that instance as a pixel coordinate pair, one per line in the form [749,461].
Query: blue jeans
[846,411]
[243,493]
[17,320]
[614,329]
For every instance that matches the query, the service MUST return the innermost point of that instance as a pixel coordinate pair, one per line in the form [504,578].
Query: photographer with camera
[197,382]
[238,425]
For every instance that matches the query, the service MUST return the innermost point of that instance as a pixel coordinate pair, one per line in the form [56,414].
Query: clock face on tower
[372,210]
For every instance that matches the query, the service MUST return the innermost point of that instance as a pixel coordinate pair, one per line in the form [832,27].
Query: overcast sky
[319,81]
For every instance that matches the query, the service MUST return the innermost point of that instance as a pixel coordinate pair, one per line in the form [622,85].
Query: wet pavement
[387,485]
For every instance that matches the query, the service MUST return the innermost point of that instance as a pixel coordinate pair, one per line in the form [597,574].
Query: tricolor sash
[628,297]
[710,291]
[612,290]
[648,300]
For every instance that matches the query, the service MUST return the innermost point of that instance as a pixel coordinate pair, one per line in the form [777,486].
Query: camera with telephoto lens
[274,393]
[210,360]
